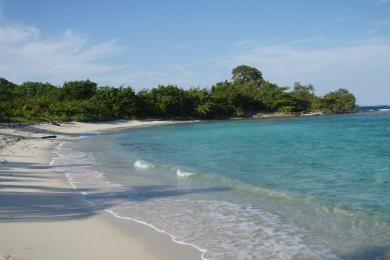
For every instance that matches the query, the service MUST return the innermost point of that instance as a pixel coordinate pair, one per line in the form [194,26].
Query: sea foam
[180,173]
[140,164]
[253,232]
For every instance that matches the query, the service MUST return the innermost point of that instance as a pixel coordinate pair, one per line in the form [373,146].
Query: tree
[274,98]
[79,89]
[7,101]
[244,73]
[198,103]
[34,89]
[246,95]
[111,103]
[225,97]
[146,106]
[7,89]
[304,97]
[169,100]
[339,101]
[249,97]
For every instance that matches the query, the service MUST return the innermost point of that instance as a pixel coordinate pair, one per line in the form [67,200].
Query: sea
[298,188]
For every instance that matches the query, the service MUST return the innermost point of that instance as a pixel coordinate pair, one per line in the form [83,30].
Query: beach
[43,217]
[228,189]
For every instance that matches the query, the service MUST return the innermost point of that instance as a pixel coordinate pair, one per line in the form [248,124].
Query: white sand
[42,217]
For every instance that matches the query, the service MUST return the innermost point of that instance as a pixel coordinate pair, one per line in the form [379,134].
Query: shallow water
[302,188]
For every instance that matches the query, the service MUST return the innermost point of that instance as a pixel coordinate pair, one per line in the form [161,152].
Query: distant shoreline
[74,127]
[7,137]
[155,121]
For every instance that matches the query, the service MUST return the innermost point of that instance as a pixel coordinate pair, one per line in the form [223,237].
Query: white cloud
[26,55]
[363,68]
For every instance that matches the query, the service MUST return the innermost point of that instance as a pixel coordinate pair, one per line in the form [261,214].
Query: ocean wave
[173,237]
[76,168]
[222,230]
[140,164]
[251,231]
[183,174]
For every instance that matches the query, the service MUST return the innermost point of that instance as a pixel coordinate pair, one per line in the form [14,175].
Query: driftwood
[49,136]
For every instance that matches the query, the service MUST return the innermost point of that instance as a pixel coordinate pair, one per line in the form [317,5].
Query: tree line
[245,95]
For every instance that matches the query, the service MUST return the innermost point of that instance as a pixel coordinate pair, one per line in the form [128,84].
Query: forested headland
[245,95]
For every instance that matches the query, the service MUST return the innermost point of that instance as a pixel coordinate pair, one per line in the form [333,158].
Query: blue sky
[330,44]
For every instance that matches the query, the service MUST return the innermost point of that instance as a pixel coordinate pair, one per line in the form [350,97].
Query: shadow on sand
[27,197]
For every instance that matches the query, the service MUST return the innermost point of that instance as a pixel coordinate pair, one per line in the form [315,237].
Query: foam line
[116,215]
[203,251]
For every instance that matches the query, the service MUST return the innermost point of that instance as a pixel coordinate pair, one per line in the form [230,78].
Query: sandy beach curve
[43,217]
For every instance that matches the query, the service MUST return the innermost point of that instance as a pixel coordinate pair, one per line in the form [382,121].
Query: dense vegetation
[245,95]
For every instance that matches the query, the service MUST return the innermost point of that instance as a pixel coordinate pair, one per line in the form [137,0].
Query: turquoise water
[302,188]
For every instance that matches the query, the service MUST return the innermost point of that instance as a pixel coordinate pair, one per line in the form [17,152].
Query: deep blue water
[301,188]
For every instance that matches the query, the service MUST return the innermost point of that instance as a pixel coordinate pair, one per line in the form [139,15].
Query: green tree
[275,98]
[305,98]
[225,97]
[7,99]
[339,101]
[247,94]
[34,89]
[169,100]
[244,73]
[198,103]
[79,89]
[146,105]
[249,99]
[111,103]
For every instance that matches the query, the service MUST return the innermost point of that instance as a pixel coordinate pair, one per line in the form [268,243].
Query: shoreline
[43,217]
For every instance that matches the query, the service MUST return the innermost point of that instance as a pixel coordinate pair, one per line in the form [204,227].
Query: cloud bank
[26,55]
[363,67]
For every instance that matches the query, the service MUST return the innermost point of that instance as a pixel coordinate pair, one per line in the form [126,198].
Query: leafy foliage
[247,94]
[244,73]
[339,101]
[79,89]
[305,98]
[7,102]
